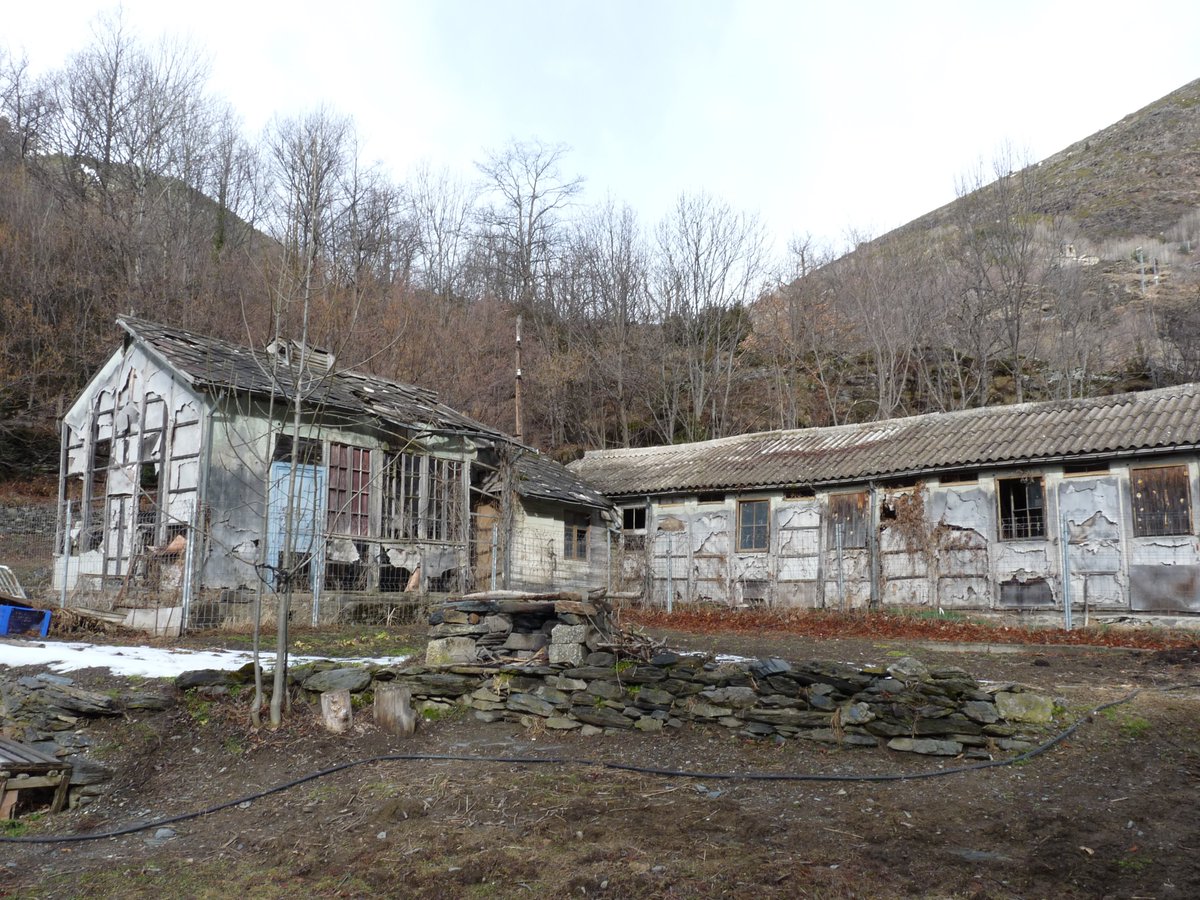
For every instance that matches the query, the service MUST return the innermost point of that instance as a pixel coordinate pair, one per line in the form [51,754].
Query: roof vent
[290,353]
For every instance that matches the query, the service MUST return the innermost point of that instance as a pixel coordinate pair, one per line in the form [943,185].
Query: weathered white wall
[537,559]
[113,407]
[952,559]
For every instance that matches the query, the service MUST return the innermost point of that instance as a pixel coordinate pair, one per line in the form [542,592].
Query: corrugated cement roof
[1151,421]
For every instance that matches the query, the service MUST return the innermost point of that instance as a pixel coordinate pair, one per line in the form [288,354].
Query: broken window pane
[444,511]
[308,451]
[754,529]
[1022,508]
[1162,501]
[401,496]
[349,489]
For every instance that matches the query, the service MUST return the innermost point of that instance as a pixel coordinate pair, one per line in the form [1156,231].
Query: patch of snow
[149,662]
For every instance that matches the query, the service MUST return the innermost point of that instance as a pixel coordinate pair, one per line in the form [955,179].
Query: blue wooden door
[308,495]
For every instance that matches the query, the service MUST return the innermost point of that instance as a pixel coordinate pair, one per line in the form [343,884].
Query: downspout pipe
[873,545]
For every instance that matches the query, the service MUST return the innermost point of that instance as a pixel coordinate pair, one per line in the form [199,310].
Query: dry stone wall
[904,706]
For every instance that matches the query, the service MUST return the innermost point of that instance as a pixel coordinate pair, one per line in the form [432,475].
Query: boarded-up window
[575,536]
[1162,501]
[754,525]
[349,489]
[1022,509]
[849,513]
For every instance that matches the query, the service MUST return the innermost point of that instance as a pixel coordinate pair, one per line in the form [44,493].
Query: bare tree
[710,262]
[613,257]
[26,107]
[1003,263]
[130,118]
[307,158]
[442,209]
[529,193]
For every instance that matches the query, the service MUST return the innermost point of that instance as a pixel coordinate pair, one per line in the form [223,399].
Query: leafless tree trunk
[710,264]
[1002,262]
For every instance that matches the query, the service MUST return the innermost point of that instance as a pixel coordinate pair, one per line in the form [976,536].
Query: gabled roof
[540,478]
[209,363]
[1158,421]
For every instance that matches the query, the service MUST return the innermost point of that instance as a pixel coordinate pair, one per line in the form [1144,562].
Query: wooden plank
[17,757]
[23,768]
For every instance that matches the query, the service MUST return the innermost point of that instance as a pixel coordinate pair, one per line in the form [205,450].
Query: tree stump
[393,709]
[336,713]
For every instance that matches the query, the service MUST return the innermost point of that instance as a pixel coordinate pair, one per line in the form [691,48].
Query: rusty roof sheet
[1155,421]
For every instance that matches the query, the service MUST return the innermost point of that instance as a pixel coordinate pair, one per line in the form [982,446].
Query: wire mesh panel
[27,533]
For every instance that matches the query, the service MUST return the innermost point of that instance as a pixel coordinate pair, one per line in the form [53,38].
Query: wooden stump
[336,713]
[393,709]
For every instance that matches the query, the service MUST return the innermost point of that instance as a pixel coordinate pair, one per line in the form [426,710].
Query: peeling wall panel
[801,594]
[750,566]
[964,593]
[1096,557]
[971,563]
[970,508]
[1105,591]
[802,542]
[1023,556]
[803,516]
[907,592]
[802,568]
[902,565]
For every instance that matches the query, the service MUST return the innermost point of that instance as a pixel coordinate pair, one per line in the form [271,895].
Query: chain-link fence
[27,535]
[332,581]
[368,582]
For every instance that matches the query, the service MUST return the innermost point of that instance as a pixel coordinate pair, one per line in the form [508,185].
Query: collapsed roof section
[209,363]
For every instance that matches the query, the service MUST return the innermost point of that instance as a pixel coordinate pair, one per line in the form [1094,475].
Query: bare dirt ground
[1109,812]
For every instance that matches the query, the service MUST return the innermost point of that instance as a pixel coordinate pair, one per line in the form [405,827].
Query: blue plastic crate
[23,620]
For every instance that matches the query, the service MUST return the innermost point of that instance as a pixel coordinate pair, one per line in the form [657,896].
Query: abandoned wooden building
[1055,507]
[189,480]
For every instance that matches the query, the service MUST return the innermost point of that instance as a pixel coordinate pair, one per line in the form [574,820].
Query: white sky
[820,117]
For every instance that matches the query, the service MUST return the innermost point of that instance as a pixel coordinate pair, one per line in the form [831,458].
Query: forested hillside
[126,186]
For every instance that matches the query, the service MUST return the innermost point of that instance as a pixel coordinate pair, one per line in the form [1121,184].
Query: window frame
[759,532]
[348,490]
[576,536]
[629,519]
[1009,528]
[1144,520]
[401,504]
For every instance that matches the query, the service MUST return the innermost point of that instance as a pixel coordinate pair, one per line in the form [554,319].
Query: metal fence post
[66,554]
[495,548]
[841,570]
[1065,540]
[670,567]
[608,566]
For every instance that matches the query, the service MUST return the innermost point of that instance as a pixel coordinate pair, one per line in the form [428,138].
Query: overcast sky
[818,117]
